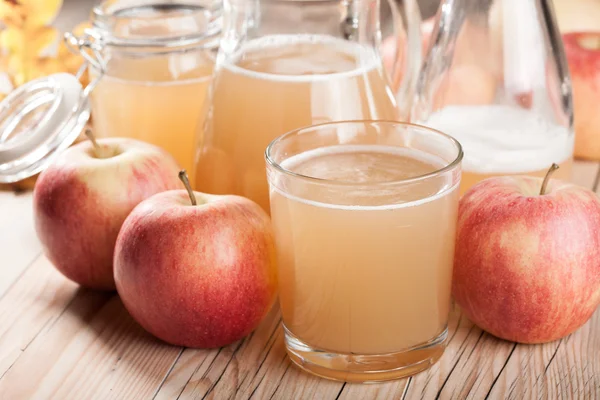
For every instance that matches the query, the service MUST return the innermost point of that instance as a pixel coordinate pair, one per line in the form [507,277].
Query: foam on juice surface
[503,139]
[363,163]
[360,166]
[302,58]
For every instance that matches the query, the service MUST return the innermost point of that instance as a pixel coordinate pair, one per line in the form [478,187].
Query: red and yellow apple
[583,55]
[197,275]
[82,199]
[527,265]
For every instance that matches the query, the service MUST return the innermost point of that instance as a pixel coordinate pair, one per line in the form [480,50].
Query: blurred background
[572,14]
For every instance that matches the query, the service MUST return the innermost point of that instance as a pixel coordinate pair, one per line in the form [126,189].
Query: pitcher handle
[406,68]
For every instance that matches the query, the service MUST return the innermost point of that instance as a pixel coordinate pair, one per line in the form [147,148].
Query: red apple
[197,275]
[583,55]
[82,199]
[527,265]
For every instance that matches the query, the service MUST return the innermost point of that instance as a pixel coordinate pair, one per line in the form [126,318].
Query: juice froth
[501,140]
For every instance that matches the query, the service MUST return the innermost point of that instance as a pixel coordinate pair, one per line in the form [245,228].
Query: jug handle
[406,68]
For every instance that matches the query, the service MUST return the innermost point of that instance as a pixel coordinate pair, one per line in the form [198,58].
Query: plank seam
[224,369]
[257,386]
[196,370]
[467,359]
[49,324]
[18,278]
[42,328]
[268,348]
[281,380]
[340,392]
[162,382]
[405,390]
[462,346]
[457,327]
[552,358]
[501,370]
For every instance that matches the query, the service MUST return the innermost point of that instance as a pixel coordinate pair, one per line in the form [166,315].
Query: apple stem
[92,138]
[186,182]
[551,170]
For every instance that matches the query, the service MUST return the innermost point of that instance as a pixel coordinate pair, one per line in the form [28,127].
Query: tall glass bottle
[496,78]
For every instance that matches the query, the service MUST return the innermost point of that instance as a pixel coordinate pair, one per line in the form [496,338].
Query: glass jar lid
[38,121]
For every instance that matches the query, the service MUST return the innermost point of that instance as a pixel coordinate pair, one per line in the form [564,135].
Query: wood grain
[59,341]
[18,243]
[74,343]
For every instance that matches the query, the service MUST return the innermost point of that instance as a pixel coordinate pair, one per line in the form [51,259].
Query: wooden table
[59,341]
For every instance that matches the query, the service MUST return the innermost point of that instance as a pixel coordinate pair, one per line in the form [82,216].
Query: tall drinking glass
[364,214]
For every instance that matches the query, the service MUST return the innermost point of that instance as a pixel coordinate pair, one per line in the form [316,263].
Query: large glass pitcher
[285,64]
[496,79]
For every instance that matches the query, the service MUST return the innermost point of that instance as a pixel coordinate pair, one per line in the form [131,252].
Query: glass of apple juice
[365,215]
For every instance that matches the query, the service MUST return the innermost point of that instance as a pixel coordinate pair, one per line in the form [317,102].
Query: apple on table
[194,269]
[82,199]
[527,258]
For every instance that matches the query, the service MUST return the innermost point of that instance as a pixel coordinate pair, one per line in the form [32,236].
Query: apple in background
[471,80]
[196,275]
[389,55]
[527,265]
[583,55]
[455,88]
[82,199]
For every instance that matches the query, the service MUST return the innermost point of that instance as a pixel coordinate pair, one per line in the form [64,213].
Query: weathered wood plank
[18,243]
[36,300]
[222,373]
[574,371]
[256,367]
[75,343]
[566,369]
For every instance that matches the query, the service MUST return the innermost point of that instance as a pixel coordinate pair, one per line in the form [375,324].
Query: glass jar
[154,60]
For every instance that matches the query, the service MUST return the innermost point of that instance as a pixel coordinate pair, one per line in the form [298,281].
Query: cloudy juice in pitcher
[276,84]
[505,140]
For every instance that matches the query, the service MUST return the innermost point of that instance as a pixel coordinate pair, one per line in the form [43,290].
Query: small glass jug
[149,64]
[285,64]
[157,57]
[496,78]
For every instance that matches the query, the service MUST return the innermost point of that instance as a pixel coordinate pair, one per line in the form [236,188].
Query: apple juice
[365,271]
[503,140]
[157,100]
[281,83]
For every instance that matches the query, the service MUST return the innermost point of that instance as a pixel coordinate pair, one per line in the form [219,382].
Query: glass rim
[448,167]
[107,13]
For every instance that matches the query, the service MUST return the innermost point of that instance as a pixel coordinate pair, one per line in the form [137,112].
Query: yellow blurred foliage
[27,40]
